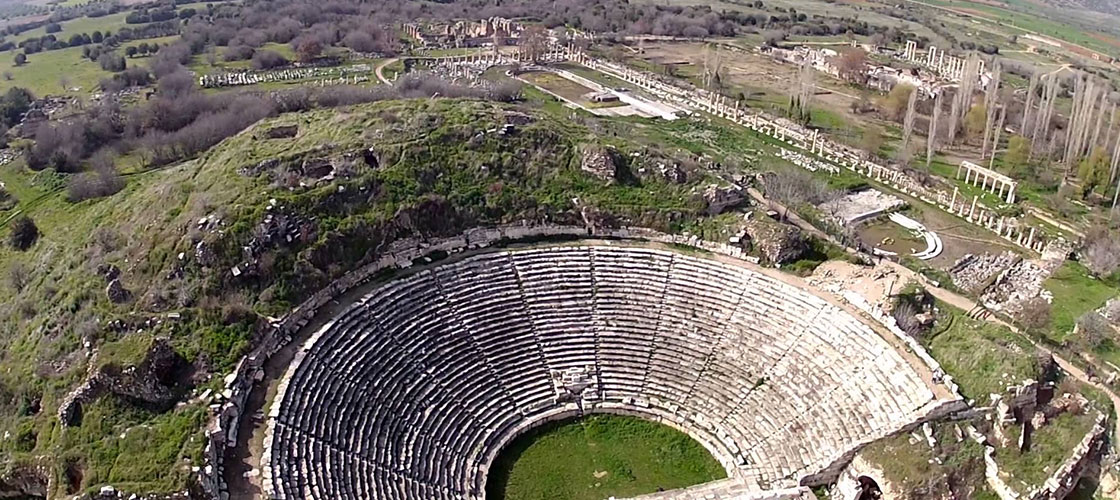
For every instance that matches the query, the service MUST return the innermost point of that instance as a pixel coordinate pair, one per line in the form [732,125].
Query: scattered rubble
[347,75]
[806,162]
[1023,281]
[600,163]
[25,482]
[1111,310]
[972,273]
[777,242]
[719,198]
[858,206]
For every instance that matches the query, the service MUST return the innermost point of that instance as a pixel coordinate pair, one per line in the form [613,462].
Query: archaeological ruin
[416,387]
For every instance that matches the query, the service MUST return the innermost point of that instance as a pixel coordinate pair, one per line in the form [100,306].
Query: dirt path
[380,71]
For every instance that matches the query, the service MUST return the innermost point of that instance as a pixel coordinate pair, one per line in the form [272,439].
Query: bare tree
[962,104]
[713,68]
[908,122]
[1093,330]
[991,100]
[931,136]
[998,131]
[1101,251]
[1025,122]
[1041,121]
[534,43]
[1034,314]
[852,65]
[793,188]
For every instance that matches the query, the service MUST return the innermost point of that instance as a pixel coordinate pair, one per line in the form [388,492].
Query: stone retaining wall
[1063,481]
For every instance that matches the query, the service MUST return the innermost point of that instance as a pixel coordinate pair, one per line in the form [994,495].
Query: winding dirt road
[380,71]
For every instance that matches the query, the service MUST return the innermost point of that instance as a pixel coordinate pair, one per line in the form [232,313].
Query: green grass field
[112,22]
[1075,293]
[982,358]
[42,72]
[1050,446]
[599,457]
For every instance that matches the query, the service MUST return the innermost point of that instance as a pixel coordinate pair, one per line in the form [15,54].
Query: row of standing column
[977,178]
[817,144]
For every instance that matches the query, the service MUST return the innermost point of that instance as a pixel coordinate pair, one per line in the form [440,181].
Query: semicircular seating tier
[414,389]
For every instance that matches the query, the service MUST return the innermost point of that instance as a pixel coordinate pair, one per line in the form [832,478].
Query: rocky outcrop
[150,383]
[778,243]
[597,220]
[117,293]
[25,482]
[281,132]
[717,199]
[600,163]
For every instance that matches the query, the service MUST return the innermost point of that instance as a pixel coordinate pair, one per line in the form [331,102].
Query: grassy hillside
[426,167]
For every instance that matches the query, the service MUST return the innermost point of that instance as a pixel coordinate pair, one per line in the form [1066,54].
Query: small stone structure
[858,206]
[988,179]
[719,198]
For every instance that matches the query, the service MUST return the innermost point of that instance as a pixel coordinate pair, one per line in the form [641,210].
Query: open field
[1079,36]
[762,81]
[859,9]
[559,85]
[1075,293]
[112,22]
[42,72]
[982,358]
[598,457]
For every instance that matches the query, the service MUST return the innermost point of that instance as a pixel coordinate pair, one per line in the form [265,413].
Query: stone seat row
[413,390]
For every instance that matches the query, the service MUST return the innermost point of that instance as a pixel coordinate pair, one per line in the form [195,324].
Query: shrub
[1101,253]
[267,59]
[110,61]
[96,184]
[237,53]
[24,233]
